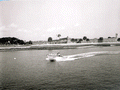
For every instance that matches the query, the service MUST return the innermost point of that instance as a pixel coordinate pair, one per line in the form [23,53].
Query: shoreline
[56,46]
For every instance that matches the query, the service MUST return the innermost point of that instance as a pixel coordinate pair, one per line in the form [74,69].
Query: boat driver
[58,54]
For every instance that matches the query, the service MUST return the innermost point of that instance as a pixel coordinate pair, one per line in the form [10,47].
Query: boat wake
[85,55]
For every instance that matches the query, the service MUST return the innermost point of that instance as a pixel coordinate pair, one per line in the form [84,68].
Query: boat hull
[52,60]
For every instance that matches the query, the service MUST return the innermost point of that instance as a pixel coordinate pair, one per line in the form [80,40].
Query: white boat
[57,57]
[52,57]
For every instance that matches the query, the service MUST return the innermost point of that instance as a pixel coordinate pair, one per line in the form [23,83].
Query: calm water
[29,70]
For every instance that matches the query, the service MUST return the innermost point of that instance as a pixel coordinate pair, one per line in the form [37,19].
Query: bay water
[94,68]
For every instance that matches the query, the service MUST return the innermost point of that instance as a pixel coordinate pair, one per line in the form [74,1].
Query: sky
[38,20]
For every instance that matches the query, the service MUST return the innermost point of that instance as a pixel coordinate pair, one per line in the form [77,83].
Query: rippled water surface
[95,68]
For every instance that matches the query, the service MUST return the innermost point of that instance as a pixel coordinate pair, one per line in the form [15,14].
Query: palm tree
[59,35]
[84,38]
[50,39]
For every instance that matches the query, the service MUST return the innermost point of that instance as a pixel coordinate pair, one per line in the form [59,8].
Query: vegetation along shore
[12,43]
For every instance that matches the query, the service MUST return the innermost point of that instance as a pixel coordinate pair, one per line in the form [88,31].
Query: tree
[109,37]
[75,40]
[15,41]
[84,38]
[118,39]
[30,42]
[100,39]
[72,40]
[11,40]
[21,42]
[50,39]
[59,35]
[79,41]
[87,39]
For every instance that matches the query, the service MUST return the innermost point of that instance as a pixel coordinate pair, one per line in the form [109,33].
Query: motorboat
[53,57]
[57,57]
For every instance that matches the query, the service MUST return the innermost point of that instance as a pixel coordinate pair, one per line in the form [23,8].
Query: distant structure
[68,40]
[60,40]
[116,35]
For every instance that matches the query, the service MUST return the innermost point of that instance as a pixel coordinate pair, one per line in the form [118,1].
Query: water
[96,68]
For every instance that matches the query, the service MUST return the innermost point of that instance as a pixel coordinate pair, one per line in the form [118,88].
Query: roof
[63,38]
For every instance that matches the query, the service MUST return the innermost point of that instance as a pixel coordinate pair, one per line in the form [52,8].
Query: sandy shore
[57,46]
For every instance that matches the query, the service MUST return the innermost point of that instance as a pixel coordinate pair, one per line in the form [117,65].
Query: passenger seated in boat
[58,54]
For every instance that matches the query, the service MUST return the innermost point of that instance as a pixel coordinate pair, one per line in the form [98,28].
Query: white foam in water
[90,54]
[66,59]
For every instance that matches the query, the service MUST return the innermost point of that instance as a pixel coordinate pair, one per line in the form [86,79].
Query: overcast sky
[38,20]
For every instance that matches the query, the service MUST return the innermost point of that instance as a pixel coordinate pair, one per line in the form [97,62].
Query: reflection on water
[30,70]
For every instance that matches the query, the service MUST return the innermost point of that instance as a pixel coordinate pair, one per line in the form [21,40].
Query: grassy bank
[56,46]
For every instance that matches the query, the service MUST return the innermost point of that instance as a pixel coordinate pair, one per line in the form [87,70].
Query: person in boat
[58,54]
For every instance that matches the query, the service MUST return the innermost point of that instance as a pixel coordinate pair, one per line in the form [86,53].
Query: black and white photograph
[59,44]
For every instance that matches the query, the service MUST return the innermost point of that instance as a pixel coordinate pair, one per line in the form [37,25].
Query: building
[61,40]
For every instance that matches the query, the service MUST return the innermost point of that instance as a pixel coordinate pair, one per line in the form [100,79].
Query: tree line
[13,40]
